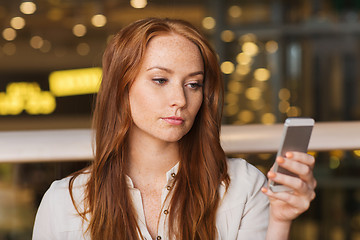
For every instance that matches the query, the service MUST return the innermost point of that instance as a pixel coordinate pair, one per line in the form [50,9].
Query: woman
[159,171]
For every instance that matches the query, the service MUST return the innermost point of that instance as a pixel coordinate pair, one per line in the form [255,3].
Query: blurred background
[279,59]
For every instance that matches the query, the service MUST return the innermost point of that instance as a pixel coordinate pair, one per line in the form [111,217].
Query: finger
[294,183]
[304,158]
[299,203]
[302,170]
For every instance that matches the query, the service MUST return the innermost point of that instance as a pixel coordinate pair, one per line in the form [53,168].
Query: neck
[151,159]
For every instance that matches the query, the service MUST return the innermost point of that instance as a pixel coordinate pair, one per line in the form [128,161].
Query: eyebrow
[171,71]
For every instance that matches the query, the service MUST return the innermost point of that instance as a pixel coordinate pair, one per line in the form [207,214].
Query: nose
[177,97]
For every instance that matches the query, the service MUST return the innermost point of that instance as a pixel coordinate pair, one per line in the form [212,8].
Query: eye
[194,85]
[160,81]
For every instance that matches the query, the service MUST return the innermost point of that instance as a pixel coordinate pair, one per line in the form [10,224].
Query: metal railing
[76,144]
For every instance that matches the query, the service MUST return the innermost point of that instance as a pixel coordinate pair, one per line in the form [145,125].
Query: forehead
[172,49]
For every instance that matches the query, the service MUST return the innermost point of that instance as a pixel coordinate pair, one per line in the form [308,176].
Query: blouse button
[166,211]
[158,238]
[168,188]
[173,175]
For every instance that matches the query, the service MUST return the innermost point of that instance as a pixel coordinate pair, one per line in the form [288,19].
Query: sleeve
[45,220]
[255,217]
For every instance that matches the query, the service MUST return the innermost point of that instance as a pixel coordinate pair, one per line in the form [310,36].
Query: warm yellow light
[284,106]
[79,30]
[337,153]
[9,34]
[262,74]
[249,37]
[253,93]
[98,20]
[271,46]
[75,82]
[250,48]
[242,69]
[227,36]
[235,87]
[36,42]
[293,111]
[243,59]
[83,49]
[22,89]
[138,3]
[257,104]
[231,98]
[9,49]
[27,7]
[41,103]
[235,11]
[246,116]
[268,118]
[17,22]
[284,94]
[27,96]
[357,153]
[231,109]
[227,67]
[208,23]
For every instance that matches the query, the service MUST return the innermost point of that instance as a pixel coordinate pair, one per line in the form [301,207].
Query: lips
[174,120]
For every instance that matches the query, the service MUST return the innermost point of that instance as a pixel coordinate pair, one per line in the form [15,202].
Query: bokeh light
[17,22]
[83,49]
[284,94]
[208,23]
[262,74]
[227,67]
[227,36]
[243,59]
[79,30]
[246,116]
[253,93]
[138,3]
[98,20]
[235,11]
[268,118]
[36,42]
[242,69]
[250,48]
[271,46]
[9,34]
[27,7]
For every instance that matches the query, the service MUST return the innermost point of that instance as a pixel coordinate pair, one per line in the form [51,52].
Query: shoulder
[244,174]
[59,189]
[57,216]
[243,209]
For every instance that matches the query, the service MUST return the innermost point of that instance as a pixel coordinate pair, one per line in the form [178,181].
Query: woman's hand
[286,206]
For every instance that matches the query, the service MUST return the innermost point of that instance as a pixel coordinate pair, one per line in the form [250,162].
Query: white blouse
[243,212]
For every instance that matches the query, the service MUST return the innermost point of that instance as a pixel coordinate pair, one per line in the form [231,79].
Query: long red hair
[202,168]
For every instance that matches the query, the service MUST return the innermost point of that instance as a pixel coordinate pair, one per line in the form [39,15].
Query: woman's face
[167,93]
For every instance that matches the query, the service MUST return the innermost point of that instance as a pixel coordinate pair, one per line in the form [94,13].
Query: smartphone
[296,137]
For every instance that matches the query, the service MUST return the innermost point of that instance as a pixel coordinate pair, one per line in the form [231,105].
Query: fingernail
[271,174]
[264,190]
[289,155]
[280,160]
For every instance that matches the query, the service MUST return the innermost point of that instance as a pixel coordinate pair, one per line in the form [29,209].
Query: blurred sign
[75,82]
[28,96]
